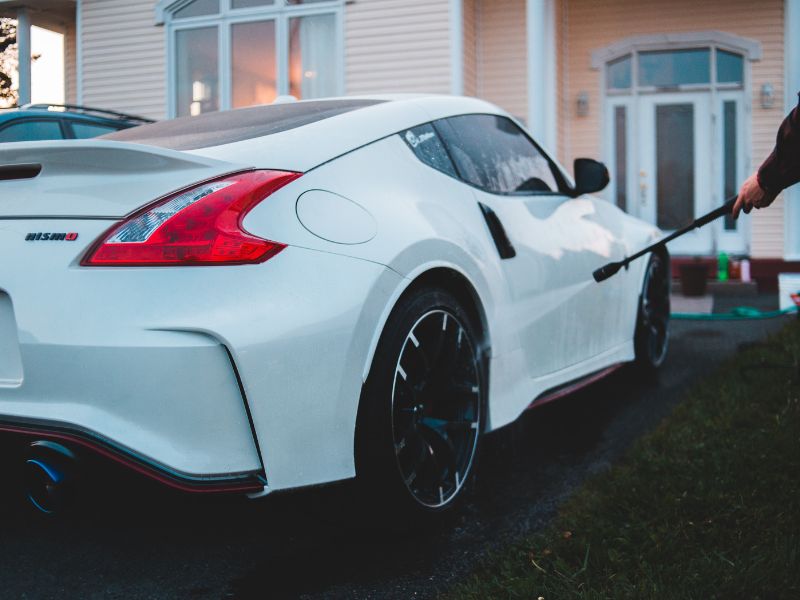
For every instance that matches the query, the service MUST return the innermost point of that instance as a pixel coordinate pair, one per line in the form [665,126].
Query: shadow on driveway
[129,541]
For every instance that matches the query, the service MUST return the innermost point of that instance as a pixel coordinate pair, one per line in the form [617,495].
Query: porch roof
[50,14]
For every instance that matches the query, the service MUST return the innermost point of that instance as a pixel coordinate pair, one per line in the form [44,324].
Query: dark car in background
[35,122]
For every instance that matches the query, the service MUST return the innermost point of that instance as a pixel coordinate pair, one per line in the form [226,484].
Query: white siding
[397,46]
[124,57]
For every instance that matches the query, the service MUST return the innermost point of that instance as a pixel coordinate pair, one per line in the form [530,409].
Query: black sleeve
[782,167]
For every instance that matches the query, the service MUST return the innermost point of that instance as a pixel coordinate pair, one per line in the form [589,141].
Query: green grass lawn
[706,506]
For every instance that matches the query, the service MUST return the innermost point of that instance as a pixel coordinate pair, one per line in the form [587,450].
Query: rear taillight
[199,226]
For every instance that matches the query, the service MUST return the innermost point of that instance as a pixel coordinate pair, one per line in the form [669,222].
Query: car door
[563,317]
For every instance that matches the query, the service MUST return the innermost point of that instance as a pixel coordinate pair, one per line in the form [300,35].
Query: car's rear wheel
[422,411]
[652,325]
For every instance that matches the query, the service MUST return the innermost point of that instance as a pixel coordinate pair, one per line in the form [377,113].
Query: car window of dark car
[491,152]
[428,147]
[31,131]
[82,131]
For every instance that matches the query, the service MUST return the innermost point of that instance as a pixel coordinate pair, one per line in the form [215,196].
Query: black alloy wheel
[422,411]
[652,328]
[436,409]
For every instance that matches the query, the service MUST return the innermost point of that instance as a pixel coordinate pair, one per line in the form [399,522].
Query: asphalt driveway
[157,545]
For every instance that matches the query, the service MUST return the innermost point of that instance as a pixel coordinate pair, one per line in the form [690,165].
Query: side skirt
[573,386]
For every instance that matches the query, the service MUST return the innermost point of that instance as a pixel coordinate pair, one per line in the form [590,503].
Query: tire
[422,412]
[651,339]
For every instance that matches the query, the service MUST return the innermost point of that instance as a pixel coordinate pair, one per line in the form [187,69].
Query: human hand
[752,195]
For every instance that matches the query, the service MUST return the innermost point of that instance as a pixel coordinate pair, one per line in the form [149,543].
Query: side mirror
[590,176]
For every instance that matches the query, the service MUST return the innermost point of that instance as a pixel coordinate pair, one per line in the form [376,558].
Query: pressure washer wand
[612,268]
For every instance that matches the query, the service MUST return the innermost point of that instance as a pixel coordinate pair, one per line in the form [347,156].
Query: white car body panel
[76,176]
[152,358]
[434,217]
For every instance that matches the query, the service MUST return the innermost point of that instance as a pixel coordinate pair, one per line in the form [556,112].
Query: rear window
[428,147]
[227,127]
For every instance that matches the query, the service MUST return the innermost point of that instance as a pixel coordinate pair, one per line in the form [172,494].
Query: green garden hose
[740,313]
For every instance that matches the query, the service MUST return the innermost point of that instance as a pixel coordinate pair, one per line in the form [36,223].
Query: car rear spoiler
[95,178]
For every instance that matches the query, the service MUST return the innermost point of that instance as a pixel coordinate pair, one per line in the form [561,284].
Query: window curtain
[312,56]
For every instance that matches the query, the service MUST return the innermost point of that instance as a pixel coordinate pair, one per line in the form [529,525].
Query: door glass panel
[729,156]
[730,67]
[251,3]
[196,71]
[253,71]
[312,59]
[621,156]
[674,165]
[619,73]
[198,8]
[674,67]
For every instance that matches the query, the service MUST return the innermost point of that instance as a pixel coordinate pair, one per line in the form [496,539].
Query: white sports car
[301,293]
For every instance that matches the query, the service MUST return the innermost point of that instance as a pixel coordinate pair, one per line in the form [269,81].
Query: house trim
[24,50]
[165,7]
[661,41]
[541,71]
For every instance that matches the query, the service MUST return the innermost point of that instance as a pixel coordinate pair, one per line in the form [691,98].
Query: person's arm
[779,171]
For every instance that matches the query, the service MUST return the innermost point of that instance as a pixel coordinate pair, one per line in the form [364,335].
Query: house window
[675,70]
[236,53]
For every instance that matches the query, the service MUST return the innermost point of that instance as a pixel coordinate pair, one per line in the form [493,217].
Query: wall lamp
[767,95]
[583,104]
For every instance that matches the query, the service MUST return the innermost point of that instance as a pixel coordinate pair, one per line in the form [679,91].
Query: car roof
[302,134]
[226,127]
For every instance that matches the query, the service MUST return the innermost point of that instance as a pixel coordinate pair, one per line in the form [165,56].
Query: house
[680,98]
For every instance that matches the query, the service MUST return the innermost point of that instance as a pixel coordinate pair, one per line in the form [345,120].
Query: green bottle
[722,267]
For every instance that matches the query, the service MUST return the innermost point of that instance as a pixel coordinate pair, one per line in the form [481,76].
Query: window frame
[564,189]
[713,84]
[280,12]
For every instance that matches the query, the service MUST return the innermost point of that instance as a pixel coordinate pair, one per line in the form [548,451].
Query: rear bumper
[234,483]
[204,371]
[171,396]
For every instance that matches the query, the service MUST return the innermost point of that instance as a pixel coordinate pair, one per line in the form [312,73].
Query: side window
[84,131]
[492,153]
[31,131]
[428,147]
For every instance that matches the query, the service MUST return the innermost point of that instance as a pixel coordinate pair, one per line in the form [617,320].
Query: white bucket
[788,283]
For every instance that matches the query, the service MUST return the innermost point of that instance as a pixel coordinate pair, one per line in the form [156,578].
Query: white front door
[676,165]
